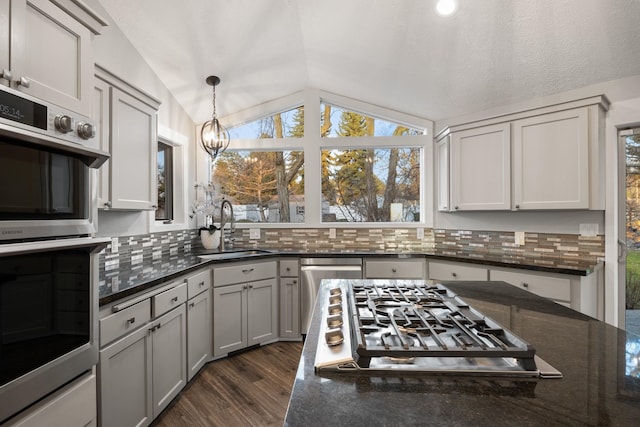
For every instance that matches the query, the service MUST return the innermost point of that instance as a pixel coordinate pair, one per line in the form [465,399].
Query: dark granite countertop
[128,279]
[599,363]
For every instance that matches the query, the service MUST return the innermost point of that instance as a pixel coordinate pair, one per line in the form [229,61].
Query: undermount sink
[232,254]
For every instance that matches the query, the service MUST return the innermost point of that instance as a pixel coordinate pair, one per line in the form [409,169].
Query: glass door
[631,138]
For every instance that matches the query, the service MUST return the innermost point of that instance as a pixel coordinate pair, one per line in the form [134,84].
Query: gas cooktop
[418,327]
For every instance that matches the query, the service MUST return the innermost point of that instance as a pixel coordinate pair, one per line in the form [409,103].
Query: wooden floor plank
[251,388]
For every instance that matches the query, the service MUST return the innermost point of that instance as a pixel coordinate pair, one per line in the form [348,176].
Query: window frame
[312,144]
[169,188]
[178,144]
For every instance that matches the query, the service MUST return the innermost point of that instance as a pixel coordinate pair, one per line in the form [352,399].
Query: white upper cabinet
[442,174]
[481,168]
[46,53]
[541,159]
[551,161]
[127,129]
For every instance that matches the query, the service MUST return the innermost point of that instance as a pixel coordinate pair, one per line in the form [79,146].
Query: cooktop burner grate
[403,320]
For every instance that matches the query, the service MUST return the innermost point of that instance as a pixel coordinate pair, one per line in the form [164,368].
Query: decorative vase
[210,240]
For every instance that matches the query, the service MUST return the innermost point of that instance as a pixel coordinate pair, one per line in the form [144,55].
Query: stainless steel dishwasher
[312,271]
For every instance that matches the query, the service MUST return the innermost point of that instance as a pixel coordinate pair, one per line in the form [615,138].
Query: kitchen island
[599,363]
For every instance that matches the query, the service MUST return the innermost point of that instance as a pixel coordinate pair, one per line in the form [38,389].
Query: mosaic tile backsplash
[150,248]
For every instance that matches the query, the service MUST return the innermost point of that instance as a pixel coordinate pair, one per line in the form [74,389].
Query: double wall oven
[48,252]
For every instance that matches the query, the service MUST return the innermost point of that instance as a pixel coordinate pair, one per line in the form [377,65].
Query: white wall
[113,51]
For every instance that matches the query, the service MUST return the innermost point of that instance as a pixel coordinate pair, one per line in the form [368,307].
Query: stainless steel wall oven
[48,252]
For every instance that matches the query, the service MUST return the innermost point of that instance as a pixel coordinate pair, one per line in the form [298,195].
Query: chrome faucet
[223,220]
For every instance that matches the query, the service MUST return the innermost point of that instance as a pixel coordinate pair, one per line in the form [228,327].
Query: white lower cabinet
[580,293]
[199,320]
[395,268]
[289,300]
[141,372]
[73,405]
[442,270]
[245,313]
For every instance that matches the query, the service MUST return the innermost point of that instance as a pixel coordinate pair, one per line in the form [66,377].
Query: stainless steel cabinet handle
[24,82]
[6,74]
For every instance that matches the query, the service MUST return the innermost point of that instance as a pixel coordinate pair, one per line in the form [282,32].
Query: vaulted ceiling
[397,54]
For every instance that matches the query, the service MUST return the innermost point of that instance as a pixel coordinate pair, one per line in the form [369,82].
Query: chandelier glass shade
[214,138]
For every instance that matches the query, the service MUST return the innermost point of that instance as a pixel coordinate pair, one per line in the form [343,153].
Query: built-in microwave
[47,164]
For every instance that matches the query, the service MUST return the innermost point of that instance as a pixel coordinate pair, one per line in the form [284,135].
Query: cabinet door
[133,153]
[262,306]
[101,115]
[555,288]
[442,174]
[124,375]
[5,40]
[289,308]
[198,332]
[52,51]
[551,161]
[229,318]
[169,357]
[481,168]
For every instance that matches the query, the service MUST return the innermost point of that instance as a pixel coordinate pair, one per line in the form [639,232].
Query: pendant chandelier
[213,136]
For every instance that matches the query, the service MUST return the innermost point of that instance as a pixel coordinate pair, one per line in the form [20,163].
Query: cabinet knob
[244,287]
[201,284]
[247,270]
[193,304]
[174,299]
[517,206]
[107,204]
[86,130]
[24,82]
[154,206]
[6,74]
[393,270]
[525,285]
[454,274]
[250,286]
[295,282]
[455,207]
[131,321]
[63,123]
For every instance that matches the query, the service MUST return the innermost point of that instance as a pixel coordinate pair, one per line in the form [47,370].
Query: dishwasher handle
[330,268]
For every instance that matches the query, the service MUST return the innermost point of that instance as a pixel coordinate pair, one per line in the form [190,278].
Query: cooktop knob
[86,130]
[63,123]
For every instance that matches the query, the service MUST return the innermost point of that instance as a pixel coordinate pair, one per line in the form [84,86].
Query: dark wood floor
[251,388]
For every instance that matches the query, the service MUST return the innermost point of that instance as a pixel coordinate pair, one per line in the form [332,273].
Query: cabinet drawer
[289,268]
[394,269]
[556,288]
[198,283]
[169,299]
[124,321]
[456,271]
[241,273]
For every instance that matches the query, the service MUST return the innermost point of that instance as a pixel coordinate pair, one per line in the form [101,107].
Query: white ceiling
[394,53]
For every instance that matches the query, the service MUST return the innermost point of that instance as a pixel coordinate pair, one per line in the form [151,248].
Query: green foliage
[632,292]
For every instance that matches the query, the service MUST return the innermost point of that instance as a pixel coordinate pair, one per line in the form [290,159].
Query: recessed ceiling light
[446,7]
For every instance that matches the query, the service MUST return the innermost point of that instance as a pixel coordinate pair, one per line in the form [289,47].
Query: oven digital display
[22,110]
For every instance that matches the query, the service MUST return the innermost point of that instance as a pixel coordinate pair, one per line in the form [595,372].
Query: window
[264,186]
[164,212]
[287,124]
[353,124]
[371,185]
[342,165]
